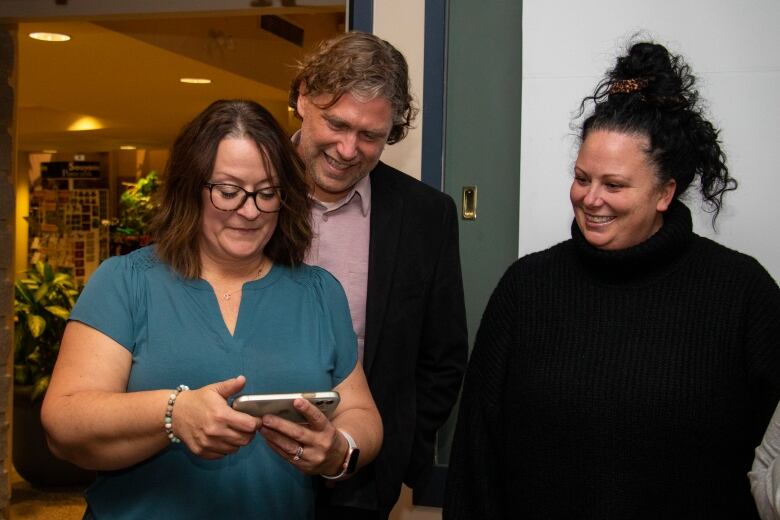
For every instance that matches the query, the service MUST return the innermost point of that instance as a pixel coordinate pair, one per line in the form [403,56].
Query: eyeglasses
[229,197]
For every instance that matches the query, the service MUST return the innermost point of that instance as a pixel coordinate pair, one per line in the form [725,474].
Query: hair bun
[644,60]
[662,79]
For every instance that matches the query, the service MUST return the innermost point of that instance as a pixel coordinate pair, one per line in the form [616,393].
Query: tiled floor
[29,503]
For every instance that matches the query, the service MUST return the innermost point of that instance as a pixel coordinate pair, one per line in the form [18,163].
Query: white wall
[402,23]
[732,47]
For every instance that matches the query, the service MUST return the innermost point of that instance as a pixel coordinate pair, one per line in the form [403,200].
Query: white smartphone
[281,405]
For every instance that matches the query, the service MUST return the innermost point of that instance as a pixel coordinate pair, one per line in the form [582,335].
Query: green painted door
[482,146]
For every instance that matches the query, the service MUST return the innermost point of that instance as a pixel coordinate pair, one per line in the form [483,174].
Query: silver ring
[298,454]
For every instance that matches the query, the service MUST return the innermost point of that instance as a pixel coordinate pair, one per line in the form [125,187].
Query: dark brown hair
[363,65]
[176,226]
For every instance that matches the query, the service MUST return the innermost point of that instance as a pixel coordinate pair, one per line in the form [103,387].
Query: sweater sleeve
[765,475]
[763,354]
[475,482]
[762,343]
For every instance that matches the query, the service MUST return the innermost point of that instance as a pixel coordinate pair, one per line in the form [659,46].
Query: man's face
[341,144]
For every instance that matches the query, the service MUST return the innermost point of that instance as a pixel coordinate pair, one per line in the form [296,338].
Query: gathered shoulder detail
[142,259]
[314,277]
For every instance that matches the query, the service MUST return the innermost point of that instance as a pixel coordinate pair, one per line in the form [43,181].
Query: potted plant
[136,207]
[42,304]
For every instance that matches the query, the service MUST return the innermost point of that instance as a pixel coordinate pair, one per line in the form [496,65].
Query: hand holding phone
[281,405]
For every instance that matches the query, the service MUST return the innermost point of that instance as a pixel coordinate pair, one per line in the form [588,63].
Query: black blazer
[416,342]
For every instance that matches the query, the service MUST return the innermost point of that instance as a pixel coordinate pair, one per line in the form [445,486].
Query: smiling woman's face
[616,197]
[239,235]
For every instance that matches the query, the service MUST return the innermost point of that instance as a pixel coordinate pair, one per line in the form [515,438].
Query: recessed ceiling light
[49,151]
[49,36]
[85,123]
[127,147]
[196,81]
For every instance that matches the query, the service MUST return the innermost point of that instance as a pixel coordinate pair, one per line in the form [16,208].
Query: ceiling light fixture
[127,147]
[49,151]
[85,123]
[49,36]
[195,81]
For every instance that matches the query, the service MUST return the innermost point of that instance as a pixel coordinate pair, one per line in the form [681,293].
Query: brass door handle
[469,203]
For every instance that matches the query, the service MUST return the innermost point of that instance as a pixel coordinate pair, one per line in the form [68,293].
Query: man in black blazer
[392,242]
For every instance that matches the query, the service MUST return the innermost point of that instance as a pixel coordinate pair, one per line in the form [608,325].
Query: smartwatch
[350,461]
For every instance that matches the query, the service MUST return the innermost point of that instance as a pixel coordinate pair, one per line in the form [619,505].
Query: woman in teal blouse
[221,304]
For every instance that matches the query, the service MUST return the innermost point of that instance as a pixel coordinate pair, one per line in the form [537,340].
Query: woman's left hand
[315,449]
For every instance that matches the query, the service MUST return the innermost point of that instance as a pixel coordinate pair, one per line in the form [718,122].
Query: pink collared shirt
[340,245]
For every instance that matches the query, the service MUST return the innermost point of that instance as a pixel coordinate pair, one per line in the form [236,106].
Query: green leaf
[20,341]
[36,325]
[34,358]
[39,387]
[61,279]
[41,292]
[48,272]
[29,282]
[23,292]
[59,311]
[21,374]
[40,268]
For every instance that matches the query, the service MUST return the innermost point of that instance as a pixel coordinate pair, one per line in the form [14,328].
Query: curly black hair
[651,92]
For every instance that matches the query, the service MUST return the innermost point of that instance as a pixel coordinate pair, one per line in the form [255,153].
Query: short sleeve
[337,317]
[108,303]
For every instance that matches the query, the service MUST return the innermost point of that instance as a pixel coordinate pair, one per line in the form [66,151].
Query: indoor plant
[136,207]
[42,304]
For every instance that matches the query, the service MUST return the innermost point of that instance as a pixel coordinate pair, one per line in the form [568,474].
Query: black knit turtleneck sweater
[619,384]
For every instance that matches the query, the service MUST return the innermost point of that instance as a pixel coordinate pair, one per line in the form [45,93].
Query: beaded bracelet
[169,413]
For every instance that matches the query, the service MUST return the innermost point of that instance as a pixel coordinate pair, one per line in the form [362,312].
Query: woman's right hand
[209,427]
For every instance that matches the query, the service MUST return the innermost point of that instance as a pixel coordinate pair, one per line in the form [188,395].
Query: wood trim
[7,81]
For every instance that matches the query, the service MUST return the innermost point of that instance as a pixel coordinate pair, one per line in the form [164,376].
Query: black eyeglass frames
[229,197]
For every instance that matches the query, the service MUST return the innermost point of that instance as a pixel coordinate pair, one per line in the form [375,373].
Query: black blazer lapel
[385,229]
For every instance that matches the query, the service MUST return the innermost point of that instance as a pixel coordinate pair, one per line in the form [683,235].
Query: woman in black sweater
[630,371]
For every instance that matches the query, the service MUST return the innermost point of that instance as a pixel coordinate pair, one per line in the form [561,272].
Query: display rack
[69,229]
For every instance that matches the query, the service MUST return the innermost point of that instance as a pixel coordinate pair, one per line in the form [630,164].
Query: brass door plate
[469,203]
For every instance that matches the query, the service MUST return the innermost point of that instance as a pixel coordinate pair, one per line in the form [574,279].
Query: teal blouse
[293,334]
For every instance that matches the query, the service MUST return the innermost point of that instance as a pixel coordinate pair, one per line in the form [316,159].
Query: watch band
[350,461]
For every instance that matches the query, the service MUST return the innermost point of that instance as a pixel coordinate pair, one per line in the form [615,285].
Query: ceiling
[116,82]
